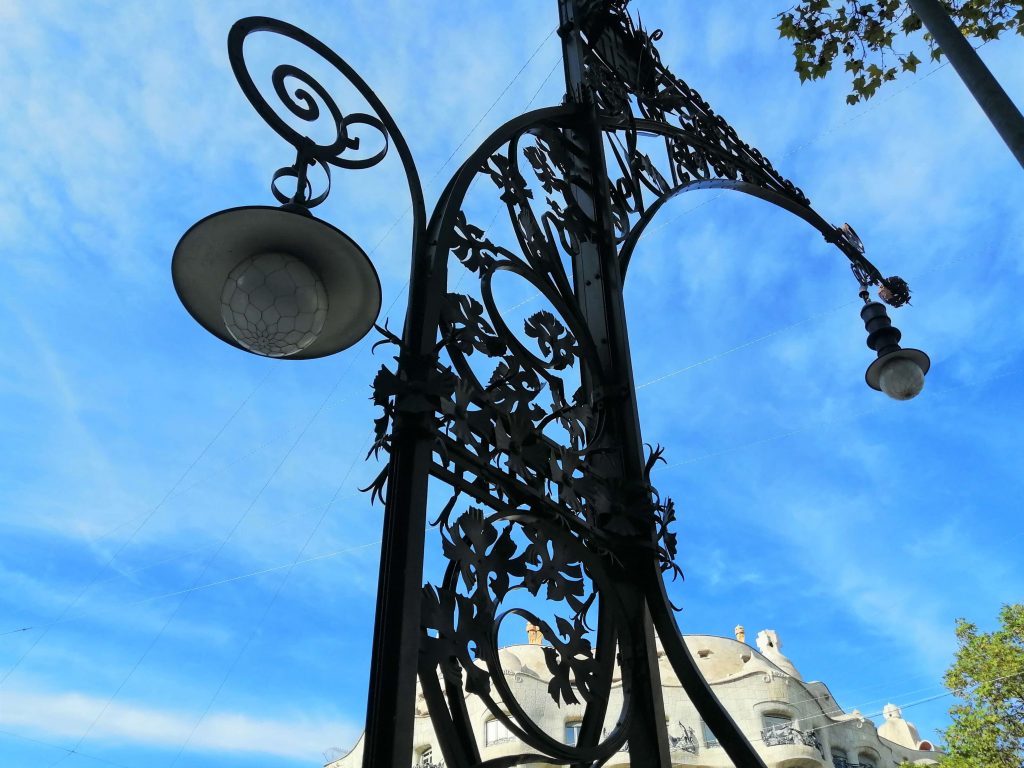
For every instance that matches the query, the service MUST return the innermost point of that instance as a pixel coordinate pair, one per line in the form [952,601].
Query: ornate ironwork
[842,762]
[630,82]
[534,431]
[305,98]
[782,733]
[686,741]
[513,430]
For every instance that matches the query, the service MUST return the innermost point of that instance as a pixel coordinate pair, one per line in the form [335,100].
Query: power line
[468,134]
[872,105]
[746,344]
[206,585]
[64,749]
[209,561]
[149,516]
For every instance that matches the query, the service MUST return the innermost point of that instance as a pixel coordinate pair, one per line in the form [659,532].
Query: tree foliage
[988,677]
[875,40]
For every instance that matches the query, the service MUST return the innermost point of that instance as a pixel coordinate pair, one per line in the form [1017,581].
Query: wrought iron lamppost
[557,480]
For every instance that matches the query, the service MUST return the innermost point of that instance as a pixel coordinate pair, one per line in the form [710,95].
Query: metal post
[391,701]
[598,284]
[987,91]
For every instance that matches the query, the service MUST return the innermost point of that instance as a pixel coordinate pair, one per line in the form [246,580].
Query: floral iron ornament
[529,424]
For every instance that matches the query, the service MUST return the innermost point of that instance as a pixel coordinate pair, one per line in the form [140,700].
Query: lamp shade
[228,253]
[899,386]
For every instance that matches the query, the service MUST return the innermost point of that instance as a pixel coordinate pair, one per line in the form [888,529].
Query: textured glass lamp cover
[274,305]
[276,282]
[899,374]
[901,378]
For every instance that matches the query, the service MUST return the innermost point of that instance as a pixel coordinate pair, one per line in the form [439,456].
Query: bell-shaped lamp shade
[276,282]
[899,374]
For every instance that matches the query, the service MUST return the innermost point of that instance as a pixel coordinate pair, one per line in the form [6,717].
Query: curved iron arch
[795,205]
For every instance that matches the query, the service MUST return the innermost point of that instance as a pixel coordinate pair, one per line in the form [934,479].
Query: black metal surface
[535,433]
[305,98]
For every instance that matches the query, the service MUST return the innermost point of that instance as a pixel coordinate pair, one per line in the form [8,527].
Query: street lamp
[276,282]
[535,437]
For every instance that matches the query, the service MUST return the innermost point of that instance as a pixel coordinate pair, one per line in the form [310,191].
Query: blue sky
[188,570]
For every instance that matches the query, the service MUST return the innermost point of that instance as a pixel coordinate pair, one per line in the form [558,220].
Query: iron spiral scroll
[525,425]
[303,97]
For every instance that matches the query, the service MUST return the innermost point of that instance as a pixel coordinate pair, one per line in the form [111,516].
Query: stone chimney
[534,635]
[900,731]
[770,646]
[741,633]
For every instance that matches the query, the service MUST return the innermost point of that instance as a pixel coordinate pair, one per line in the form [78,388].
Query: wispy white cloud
[66,715]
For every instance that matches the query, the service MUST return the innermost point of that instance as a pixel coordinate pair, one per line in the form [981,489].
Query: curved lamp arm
[305,101]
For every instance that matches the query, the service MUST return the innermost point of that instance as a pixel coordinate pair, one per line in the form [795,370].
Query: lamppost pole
[534,435]
[1004,115]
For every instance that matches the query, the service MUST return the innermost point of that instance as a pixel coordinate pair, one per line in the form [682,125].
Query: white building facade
[792,723]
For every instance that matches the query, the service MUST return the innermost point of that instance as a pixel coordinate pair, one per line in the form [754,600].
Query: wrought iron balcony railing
[777,735]
[842,762]
[687,742]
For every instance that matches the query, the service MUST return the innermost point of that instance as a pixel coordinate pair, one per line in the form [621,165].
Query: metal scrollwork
[541,539]
[525,416]
[514,435]
[305,98]
[624,68]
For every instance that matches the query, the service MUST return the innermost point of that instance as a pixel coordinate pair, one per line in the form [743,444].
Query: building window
[839,759]
[426,758]
[867,761]
[710,740]
[496,732]
[572,732]
[775,720]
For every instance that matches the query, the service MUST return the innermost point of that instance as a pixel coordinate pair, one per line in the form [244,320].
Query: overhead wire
[918,702]
[200,587]
[206,566]
[745,344]
[471,132]
[258,626]
[142,524]
[54,745]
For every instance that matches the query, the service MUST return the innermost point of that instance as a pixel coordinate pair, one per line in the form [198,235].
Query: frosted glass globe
[901,379]
[273,304]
